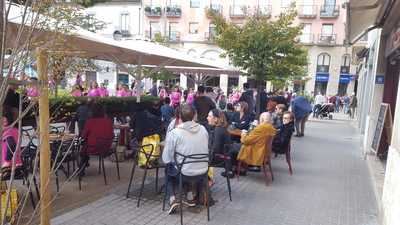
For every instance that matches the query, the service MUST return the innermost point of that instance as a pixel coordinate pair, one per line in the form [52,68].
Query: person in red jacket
[97,128]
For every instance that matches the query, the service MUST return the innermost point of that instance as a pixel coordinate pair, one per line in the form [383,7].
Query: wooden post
[44,137]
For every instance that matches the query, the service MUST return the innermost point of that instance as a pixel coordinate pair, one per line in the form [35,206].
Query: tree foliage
[265,48]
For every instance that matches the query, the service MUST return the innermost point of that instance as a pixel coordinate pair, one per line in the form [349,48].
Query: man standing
[301,109]
[203,106]
[248,97]
[319,101]
[187,138]
[353,105]
[154,90]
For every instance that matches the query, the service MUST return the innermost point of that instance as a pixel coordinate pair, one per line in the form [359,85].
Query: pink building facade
[185,24]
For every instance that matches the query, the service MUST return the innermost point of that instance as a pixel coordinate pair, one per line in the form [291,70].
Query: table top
[61,137]
[235,132]
[121,126]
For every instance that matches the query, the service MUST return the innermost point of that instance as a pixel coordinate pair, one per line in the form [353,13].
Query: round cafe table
[235,132]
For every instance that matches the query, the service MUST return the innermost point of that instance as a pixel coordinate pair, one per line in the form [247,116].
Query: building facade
[186,25]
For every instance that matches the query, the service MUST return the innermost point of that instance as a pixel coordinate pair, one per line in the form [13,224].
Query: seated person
[243,119]
[253,150]
[282,139]
[218,135]
[277,116]
[9,143]
[97,127]
[230,113]
[188,138]
[146,122]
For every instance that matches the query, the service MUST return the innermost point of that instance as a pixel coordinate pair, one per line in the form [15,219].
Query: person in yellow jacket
[252,151]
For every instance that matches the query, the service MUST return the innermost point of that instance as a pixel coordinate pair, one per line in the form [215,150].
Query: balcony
[326,39]
[307,11]
[174,36]
[214,8]
[306,39]
[263,10]
[345,69]
[153,11]
[238,11]
[329,11]
[173,11]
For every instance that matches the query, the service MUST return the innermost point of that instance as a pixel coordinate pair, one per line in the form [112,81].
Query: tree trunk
[258,97]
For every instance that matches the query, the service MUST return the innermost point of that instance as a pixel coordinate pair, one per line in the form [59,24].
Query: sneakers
[189,203]
[173,206]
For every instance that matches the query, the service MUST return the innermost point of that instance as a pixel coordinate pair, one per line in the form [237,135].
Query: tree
[264,48]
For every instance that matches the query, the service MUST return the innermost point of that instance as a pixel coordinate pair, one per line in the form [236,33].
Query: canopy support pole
[139,79]
[42,59]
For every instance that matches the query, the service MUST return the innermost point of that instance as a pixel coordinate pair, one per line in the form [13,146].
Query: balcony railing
[215,8]
[263,10]
[153,11]
[329,11]
[327,39]
[173,11]
[238,11]
[307,11]
[174,36]
[306,39]
[345,69]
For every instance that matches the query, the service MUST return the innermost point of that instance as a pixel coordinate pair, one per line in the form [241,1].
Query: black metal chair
[57,129]
[103,146]
[65,152]
[150,159]
[185,160]
[223,160]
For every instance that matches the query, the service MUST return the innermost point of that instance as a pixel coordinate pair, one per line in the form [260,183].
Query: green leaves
[265,48]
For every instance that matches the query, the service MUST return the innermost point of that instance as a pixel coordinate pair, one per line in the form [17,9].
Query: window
[324,59]
[306,36]
[124,23]
[327,29]
[212,30]
[173,33]
[346,60]
[154,29]
[286,3]
[194,3]
[193,28]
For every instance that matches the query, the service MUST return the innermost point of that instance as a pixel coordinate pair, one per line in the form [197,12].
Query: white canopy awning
[86,44]
[362,16]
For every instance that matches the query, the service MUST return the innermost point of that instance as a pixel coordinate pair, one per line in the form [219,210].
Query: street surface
[331,185]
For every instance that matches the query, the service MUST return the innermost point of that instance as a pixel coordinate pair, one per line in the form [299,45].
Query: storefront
[321,83]
[344,80]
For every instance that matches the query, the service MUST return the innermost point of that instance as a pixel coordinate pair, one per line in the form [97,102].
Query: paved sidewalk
[330,186]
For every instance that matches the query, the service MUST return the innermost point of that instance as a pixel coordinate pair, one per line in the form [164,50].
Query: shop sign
[322,77]
[379,79]
[344,78]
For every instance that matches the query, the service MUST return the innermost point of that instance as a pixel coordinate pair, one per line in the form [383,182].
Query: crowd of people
[336,103]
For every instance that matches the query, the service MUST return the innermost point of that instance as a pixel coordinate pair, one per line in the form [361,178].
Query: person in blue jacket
[301,109]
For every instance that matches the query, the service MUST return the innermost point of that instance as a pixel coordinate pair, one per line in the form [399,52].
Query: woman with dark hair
[243,119]
[97,127]
[218,136]
[9,143]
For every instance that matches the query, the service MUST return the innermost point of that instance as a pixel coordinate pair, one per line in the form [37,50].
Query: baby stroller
[326,110]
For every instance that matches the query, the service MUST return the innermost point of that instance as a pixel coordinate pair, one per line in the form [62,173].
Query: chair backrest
[190,159]
[57,129]
[148,153]
[268,147]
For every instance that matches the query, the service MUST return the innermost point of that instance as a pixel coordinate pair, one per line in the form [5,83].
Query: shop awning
[345,78]
[362,15]
[322,77]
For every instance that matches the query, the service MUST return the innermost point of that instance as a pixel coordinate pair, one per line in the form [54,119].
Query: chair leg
[117,163]
[99,164]
[36,186]
[238,168]
[288,160]
[208,198]
[265,174]
[270,169]
[142,187]
[57,182]
[228,182]
[104,170]
[30,192]
[165,191]
[181,197]
[131,178]
[156,179]
[68,169]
